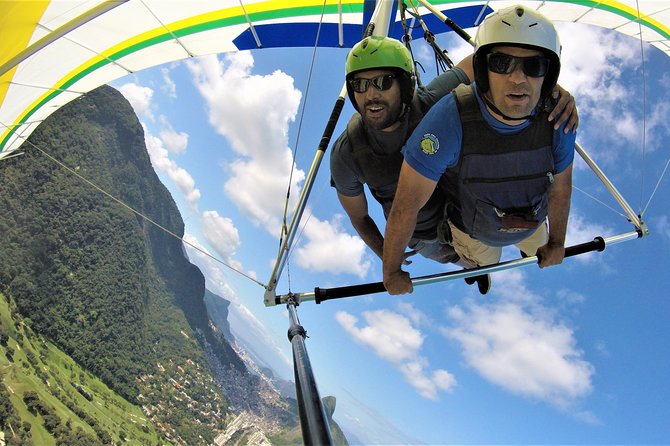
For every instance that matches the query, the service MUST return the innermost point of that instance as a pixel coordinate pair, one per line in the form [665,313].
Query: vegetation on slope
[109,289]
[46,398]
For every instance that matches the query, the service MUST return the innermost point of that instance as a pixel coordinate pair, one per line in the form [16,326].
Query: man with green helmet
[381,86]
[505,171]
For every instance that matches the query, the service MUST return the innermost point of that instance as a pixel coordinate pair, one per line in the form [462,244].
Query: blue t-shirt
[442,124]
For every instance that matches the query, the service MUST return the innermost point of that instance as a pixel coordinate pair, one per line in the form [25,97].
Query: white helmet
[517,26]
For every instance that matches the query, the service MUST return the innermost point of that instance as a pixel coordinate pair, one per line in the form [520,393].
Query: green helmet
[378,52]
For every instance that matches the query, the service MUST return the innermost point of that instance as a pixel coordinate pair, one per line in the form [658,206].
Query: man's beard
[391,114]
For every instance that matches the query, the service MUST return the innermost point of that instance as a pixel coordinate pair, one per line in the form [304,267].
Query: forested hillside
[46,398]
[111,290]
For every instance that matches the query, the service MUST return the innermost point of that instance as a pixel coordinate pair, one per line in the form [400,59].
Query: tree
[6,408]
[32,401]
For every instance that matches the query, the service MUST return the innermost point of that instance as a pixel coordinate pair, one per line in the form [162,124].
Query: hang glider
[54,51]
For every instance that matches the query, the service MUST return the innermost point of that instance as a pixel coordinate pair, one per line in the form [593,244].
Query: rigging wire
[442,60]
[136,212]
[309,216]
[407,39]
[168,30]
[658,184]
[644,108]
[594,198]
[284,230]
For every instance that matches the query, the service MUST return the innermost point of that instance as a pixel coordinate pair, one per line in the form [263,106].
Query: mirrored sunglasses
[381,83]
[534,66]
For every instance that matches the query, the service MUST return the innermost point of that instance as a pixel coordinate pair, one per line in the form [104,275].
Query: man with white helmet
[503,167]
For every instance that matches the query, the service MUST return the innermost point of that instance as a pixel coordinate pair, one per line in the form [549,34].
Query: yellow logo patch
[429,144]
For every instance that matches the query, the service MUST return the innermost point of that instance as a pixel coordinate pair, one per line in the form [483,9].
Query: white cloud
[175,142]
[662,226]
[324,238]
[519,345]
[139,98]
[389,334]
[393,338]
[417,317]
[253,112]
[169,86]
[597,80]
[222,235]
[259,190]
[427,384]
[161,161]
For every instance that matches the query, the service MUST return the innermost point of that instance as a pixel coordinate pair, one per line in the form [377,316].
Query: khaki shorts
[476,253]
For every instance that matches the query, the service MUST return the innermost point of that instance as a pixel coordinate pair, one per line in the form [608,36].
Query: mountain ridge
[110,289]
[114,291]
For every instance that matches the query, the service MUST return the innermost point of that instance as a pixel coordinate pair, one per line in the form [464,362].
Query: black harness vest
[498,191]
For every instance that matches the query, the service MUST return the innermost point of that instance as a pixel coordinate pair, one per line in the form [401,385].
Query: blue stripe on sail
[278,35]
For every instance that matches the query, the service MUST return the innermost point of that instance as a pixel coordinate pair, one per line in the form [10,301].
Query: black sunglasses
[381,83]
[501,63]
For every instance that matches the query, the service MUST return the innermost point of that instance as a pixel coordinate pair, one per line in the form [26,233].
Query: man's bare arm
[559,210]
[466,65]
[412,193]
[357,210]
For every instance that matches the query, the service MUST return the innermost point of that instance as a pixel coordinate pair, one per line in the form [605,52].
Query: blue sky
[577,353]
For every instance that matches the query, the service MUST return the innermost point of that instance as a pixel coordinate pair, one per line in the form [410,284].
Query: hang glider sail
[54,51]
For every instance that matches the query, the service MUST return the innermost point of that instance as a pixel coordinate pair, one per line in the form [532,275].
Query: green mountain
[46,397]
[294,436]
[217,308]
[110,289]
[103,318]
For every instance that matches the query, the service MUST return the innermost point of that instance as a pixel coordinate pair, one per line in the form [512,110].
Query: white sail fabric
[54,51]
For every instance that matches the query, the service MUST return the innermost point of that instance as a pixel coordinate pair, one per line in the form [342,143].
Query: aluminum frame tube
[450,23]
[313,420]
[381,17]
[632,216]
[59,32]
[282,255]
[377,287]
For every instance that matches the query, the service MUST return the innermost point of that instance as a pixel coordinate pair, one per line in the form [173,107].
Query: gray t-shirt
[346,177]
